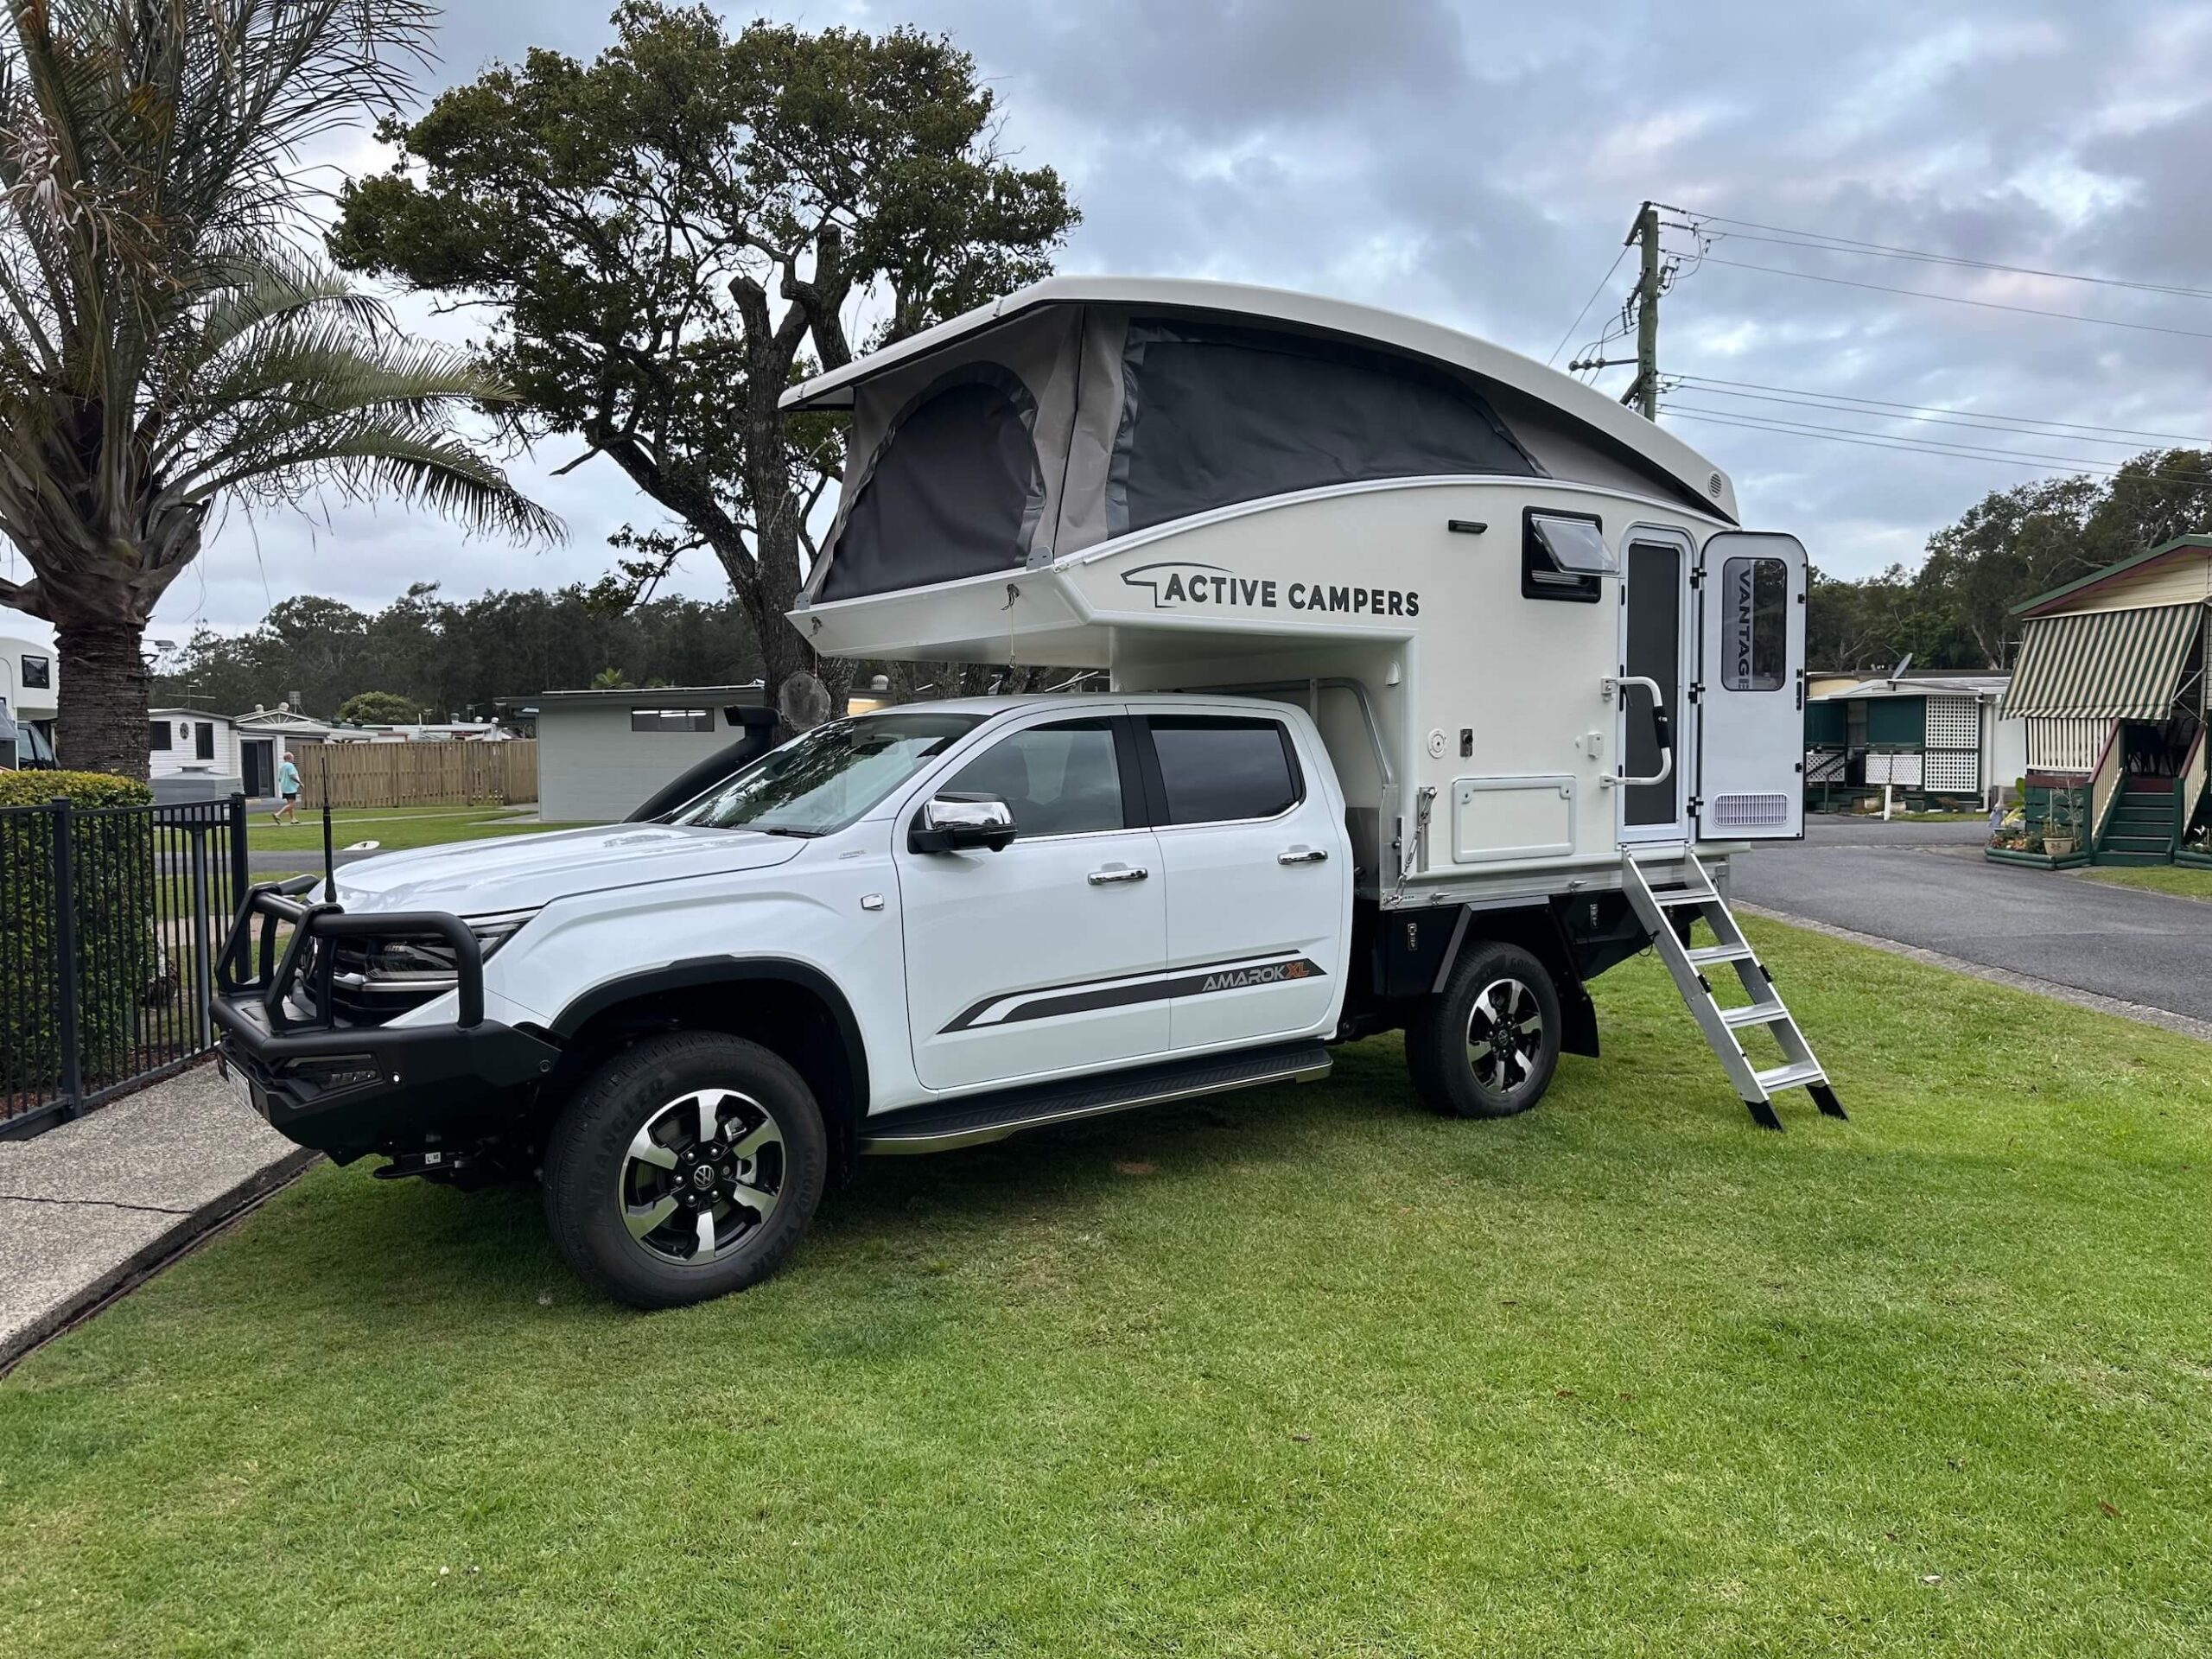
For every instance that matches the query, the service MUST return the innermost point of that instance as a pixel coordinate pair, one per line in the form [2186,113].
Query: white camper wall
[1513,680]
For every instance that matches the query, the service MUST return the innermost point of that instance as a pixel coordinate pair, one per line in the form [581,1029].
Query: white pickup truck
[908,931]
[1441,684]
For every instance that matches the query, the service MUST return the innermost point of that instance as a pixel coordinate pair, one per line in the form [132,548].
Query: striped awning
[2103,664]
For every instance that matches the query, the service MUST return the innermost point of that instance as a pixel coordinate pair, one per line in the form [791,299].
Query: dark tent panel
[954,490]
[1214,414]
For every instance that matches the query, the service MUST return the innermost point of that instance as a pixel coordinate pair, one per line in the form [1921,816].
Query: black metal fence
[110,919]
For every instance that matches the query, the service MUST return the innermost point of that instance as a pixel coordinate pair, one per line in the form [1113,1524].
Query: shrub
[111,857]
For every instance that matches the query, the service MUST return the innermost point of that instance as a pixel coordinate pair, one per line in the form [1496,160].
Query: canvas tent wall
[1084,410]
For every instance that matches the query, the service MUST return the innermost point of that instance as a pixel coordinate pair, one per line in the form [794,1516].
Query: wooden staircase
[2144,826]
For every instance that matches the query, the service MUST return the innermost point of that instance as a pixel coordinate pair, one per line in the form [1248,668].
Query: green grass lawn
[2184,880]
[395,827]
[1300,1372]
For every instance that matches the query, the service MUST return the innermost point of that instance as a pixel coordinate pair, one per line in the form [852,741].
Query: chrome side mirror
[956,824]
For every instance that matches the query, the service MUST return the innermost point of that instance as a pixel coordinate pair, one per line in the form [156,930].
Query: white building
[601,754]
[263,737]
[191,743]
[30,683]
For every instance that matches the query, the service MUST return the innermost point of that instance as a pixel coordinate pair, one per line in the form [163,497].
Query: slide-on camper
[1440,684]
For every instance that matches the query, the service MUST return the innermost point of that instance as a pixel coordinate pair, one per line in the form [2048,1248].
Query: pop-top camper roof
[1085,408]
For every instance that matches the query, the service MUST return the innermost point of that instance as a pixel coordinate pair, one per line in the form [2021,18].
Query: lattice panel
[1954,724]
[1952,770]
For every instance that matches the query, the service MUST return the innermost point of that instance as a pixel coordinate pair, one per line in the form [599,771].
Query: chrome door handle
[1303,855]
[1114,872]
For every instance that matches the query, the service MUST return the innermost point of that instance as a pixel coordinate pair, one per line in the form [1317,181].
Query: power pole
[1644,390]
[1643,305]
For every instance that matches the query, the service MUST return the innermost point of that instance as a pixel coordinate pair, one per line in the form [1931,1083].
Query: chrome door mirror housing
[961,822]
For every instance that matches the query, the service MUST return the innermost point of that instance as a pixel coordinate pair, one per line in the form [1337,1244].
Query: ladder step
[1790,1076]
[1705,953]
[1754,1013]
[1686,896]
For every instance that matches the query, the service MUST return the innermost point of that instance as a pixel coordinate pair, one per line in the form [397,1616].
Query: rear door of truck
[1257,864]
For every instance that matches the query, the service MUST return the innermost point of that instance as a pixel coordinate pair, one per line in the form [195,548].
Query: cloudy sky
[1479,164]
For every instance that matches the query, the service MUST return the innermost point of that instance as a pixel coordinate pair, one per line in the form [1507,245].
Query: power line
[1954,299]
[1776,423]
[2194,482]
[1826,243]
[2018,429]
[1832,399]
[1586,304]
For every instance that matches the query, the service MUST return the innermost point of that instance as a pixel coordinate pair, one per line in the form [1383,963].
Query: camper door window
[1754,643]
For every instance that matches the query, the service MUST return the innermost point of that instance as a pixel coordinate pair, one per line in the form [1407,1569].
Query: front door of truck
[1751,662]
[1654,644]
[1045,957]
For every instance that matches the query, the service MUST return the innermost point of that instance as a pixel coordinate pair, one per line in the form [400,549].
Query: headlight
[492,932]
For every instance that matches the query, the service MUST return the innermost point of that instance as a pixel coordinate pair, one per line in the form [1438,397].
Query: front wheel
[1488,1044]
[685,1168]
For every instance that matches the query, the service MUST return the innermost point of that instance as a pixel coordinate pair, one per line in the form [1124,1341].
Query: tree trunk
[102,723]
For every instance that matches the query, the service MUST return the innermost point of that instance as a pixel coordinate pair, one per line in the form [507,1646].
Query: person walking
[288,785]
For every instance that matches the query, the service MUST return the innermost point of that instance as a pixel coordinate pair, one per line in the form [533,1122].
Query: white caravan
[1440,684]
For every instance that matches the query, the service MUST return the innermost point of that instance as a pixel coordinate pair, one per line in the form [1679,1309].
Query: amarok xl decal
[1050,1001]
[1182,585]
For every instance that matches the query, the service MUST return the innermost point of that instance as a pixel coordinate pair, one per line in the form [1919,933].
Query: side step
[1658,908]
[972,1119]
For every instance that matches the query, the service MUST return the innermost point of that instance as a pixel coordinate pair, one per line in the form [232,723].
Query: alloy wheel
[1505,1036]
[701,1176]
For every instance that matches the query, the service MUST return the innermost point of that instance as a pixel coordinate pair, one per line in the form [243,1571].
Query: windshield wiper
[783,829]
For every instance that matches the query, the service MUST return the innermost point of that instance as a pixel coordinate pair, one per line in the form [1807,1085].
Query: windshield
[825,778]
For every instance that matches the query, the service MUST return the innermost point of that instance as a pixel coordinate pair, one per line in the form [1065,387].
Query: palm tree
[167,348]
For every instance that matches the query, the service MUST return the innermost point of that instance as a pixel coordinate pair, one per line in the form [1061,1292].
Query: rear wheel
[1488,1044]
[685,1168]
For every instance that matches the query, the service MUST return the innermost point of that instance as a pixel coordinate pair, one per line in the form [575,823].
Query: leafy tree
[1956,610]
[459,657]
[380,708]
[659,236]
[610,679]
[166,348]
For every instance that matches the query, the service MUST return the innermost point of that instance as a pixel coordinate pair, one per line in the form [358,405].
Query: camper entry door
[1656,644]
[1751,782]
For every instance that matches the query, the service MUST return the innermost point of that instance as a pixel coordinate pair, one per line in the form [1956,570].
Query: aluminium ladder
[1693,895]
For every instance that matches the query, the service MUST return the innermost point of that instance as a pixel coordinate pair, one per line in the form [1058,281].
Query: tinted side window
[1061,780]
[1219,766]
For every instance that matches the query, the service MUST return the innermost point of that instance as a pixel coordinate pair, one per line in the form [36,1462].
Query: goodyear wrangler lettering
[1186,586]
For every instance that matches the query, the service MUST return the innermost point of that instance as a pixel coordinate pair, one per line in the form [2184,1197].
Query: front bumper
[347,1090]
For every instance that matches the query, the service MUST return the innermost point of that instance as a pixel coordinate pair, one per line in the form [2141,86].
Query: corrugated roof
[2095,578]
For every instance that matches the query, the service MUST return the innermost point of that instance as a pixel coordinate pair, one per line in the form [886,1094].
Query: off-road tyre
[1453,1048]
[596,1159]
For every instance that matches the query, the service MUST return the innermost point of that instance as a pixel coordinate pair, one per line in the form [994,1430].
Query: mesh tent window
[1214,414]
[954,490]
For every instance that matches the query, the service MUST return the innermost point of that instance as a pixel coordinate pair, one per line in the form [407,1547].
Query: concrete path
[89,1208]
[1928,887]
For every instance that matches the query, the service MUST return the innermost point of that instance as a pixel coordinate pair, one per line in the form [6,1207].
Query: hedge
[111,857]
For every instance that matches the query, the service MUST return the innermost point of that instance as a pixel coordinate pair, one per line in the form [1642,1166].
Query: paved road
[1927,885]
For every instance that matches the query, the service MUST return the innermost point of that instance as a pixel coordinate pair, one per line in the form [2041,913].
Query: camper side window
[157,736]
[1564,556]
[1757,594]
